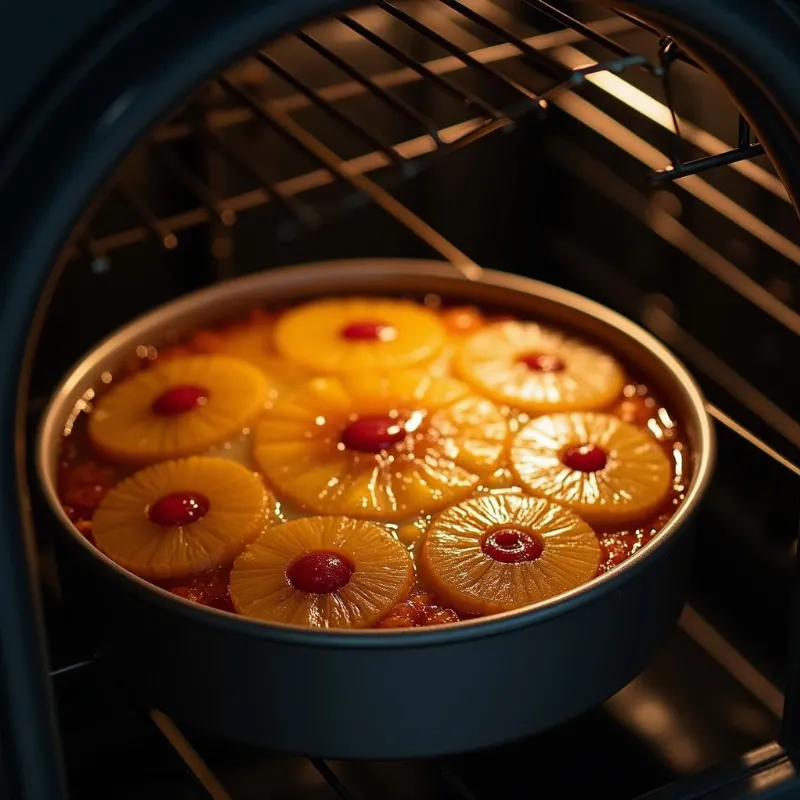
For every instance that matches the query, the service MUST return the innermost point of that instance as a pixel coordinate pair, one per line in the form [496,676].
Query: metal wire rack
[327,96]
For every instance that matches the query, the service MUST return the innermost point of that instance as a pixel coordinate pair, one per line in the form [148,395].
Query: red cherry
[584,458]
[367,330]
[179,400]
[179,508]
[373,434]
[541,362]
[512,546]
[320,572]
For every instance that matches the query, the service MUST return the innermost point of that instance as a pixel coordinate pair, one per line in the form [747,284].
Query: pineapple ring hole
[179,508]
[368,330]
[320,572]
[542,362]
[180,399]
[585,458]
[373,434]
[512,545]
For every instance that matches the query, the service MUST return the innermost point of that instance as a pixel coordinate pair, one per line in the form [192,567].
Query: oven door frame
[92,111]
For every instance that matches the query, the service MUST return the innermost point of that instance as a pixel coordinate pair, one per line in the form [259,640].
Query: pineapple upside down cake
[370,462]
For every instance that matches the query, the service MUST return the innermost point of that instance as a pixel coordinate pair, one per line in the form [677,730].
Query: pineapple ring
[498,552]
[385,447]
[359,572]
[180,518]
[608,471]
[537,369]
[252,341]
[182,407]
[342,335]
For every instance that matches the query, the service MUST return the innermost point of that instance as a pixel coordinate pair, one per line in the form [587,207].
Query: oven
[643,155]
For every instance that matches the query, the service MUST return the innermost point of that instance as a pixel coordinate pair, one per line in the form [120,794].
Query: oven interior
[573,145]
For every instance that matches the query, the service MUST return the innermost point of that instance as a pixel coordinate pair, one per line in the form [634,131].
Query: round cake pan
[383,694]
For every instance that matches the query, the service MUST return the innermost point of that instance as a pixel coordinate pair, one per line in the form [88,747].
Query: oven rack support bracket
[745,150]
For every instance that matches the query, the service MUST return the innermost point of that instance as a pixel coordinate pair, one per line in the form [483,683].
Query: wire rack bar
[536,57]
[468,59]
[93,248]
[156,227]
[733,426]
[639,23]
[469,99]
[743,139]
[273,193]
[676,52]
[332,779]
[405,109]
[216,207]
[743,671]
[683,169]
[369,189]
[295,135]
[374,140]
[188,758]
[75,668]
[670,51]
[590,33]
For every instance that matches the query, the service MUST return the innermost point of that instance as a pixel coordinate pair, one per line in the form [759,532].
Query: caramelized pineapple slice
[537,369]
[252,341]
[322,572]
[181,407]
[498,552]
[179,518]
[608,471]
[379,446]
[344,335]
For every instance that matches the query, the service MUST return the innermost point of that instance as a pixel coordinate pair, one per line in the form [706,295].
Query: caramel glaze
[84,476]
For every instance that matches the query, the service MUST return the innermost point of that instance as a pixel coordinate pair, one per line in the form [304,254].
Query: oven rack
[308,96]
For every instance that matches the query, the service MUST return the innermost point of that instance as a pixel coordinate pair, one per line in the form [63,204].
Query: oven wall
[37,35]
